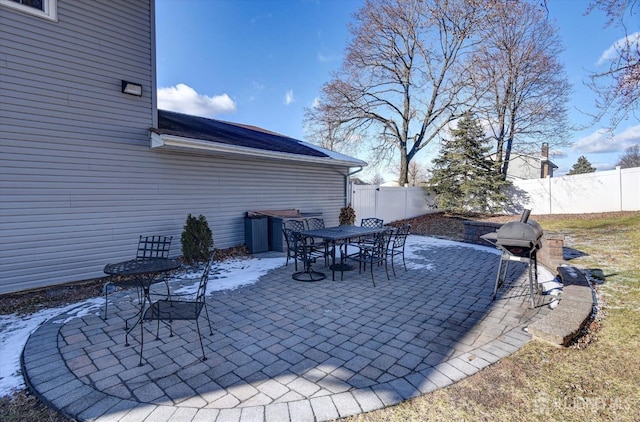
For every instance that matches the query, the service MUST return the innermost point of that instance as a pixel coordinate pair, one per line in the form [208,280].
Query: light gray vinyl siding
[78,180]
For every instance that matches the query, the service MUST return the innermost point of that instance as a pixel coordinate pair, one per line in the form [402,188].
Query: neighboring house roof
[180,131]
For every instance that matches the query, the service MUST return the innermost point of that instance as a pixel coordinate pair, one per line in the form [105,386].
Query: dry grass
[598,379]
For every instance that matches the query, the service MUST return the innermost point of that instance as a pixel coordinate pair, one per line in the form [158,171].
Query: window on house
[42,8]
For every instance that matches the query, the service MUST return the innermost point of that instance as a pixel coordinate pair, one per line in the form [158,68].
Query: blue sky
[261,62]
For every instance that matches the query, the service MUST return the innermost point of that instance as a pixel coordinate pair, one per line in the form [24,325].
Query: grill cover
[518,234]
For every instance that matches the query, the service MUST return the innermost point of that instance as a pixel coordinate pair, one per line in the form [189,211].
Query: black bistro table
[145,272]
[338,236]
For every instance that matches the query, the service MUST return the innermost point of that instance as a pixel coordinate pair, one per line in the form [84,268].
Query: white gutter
[181,143]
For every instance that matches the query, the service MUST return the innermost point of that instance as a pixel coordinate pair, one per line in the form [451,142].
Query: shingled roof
[212,134]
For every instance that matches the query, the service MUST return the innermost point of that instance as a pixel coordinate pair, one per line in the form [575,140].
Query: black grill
[519,241]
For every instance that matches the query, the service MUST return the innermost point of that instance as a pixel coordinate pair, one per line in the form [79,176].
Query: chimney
[545,167]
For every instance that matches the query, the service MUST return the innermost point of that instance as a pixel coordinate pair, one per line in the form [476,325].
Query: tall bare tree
[404,76]
[418,174]
[618,87]
[518,65]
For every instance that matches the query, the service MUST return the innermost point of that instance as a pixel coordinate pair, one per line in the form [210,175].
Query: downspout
[346,184]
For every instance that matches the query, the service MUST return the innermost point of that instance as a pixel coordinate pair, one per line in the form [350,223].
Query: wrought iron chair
[148,247]
[372,223]
[374,253]
[396,245]
[289,226]
[169,310]
[308,254]
[291,249]
[317,224]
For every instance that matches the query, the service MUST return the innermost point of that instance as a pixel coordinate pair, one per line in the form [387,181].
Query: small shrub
[347,216]
[196,239]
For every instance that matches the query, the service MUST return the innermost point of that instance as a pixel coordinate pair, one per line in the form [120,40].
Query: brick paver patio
[286,350]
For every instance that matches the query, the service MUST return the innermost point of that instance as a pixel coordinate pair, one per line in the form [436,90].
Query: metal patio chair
[307,253]
[170,310]
[372,223]
[291,250]
[317,224]
[148,247]
[396,245]
[289,226]
[374,254]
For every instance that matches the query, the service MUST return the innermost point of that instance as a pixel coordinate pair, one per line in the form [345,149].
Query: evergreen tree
[463,178]
[581,166]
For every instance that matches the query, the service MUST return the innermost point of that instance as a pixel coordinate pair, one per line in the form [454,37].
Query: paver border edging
[49,332]
[574,310]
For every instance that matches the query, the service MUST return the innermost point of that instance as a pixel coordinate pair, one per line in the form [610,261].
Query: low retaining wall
[550,254]
[562,325]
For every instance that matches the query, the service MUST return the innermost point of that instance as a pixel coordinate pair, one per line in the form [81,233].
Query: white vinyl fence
[603,191]
[390,203]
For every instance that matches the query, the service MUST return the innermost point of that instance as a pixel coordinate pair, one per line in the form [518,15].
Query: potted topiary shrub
[347,216]
[196,240]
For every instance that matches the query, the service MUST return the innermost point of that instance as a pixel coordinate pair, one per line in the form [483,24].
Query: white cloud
[612,52]
[288,97]
[600,142]
[184,99]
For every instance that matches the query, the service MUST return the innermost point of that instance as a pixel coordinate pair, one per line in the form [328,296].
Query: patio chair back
[373,223]
[295,225]
[154,247]
[315,223]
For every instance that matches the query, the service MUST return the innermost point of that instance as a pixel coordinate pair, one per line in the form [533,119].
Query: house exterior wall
[78,180]
[523,167]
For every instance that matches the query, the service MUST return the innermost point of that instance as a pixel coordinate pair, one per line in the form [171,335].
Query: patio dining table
[340,236]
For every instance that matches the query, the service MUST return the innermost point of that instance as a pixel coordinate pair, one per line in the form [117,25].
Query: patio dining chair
[148,247]
[317,224]
[374,254]
[307,253]
[178,308]
[291,249]
[371,223]
[396,245]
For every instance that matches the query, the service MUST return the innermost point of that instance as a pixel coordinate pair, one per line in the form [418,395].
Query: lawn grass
[598,380]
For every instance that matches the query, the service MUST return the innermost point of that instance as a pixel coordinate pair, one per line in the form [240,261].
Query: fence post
[550,196]
[619,179]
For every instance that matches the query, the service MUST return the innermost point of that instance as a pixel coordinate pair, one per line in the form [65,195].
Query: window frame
[50,7]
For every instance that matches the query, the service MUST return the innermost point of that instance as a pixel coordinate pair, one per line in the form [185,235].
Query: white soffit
[173,142]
